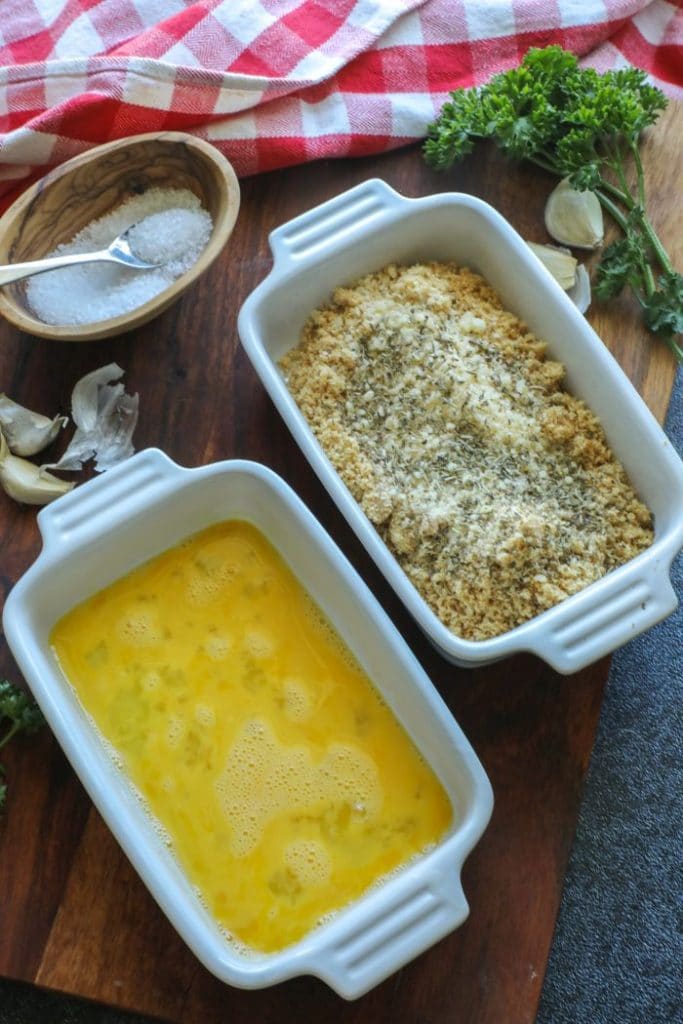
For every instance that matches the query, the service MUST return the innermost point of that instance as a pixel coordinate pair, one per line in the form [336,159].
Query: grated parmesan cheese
[494,488]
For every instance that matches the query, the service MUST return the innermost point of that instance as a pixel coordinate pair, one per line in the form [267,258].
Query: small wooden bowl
[88,187]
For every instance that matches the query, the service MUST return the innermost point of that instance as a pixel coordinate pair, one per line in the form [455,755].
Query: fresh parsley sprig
[586,126]
[18,713]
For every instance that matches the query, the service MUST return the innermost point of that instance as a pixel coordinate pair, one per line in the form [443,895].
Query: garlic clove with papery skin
[569,274]
[574,218]
[105,417]
[580,293]
[560,263]
[87,392]
[23,481]
[27,432]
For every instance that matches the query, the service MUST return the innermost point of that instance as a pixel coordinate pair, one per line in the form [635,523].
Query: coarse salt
[171,228]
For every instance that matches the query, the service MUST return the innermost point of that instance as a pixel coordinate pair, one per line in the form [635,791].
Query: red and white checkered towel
[278,82]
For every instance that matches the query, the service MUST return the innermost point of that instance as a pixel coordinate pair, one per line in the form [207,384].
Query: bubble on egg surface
[258,579]
[109,747]
[326,918]
[264,778]
[348,774]
[217,646]
[258,783]
[309,861]
[298,703]
[160,832]
[319,622]
[258,643]
[239,947]
[158,828]
[201,589]
[139,627]
[214,570]
[175,730]
[205,715]
[151,681]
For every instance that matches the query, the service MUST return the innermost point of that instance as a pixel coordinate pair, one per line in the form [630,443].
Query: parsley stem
[650,286]
[675,347]
[611,207]
[546,165]
[621,175]
[12,731]
[624,197]
[614,212]
[641,174]
[630,203]
[654,241]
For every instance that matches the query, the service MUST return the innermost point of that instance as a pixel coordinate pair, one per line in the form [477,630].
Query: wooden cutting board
[74,916]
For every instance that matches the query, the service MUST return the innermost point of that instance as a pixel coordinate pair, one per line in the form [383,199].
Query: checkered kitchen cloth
[278,82]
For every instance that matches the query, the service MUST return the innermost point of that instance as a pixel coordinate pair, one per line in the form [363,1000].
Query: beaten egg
[283,783]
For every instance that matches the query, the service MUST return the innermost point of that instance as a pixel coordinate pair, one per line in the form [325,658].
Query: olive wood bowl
[88,187]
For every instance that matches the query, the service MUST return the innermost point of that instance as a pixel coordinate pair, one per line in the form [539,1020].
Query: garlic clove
[81,449]
[572,276]
[580,294]
[23,480]
[574,218]
[87,394]
[27,432]
[105,418]
[560,262]
[116,442]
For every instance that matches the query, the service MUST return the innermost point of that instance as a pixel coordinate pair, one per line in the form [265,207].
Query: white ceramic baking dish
[370,226]
[108,526]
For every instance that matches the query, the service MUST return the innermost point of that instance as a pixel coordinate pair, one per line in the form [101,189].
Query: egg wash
[284,783]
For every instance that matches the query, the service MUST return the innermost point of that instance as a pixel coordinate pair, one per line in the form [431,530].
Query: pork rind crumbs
[494,488]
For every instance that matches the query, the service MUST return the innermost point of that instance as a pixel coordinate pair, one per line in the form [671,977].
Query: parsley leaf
[22,714]
[580,124]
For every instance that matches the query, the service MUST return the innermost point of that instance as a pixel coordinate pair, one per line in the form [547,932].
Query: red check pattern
[279,82]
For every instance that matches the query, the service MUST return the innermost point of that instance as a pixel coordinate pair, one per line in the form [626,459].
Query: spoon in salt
[118,251]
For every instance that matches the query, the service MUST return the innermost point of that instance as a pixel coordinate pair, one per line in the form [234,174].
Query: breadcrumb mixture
[494,488]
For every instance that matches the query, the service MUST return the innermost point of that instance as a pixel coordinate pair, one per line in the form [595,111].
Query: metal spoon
[118,251]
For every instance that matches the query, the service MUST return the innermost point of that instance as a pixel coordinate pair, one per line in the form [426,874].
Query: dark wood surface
[73,915]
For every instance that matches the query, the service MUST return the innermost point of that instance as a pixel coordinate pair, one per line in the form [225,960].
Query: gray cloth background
[617,956]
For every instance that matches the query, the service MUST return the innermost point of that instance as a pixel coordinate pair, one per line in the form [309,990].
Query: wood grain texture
[74,915]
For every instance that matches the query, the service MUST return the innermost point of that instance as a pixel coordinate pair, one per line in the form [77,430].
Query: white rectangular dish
[104,529]
[371,226]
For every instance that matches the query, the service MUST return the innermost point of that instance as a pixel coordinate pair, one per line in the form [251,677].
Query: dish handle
[606,616]
[395,926]
[100,505]
[359,209]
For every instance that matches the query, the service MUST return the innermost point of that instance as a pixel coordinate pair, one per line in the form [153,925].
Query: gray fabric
[617,956]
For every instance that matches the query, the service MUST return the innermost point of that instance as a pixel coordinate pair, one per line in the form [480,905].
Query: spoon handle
[17,271]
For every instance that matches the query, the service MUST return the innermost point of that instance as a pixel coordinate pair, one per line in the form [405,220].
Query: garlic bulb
[23,480]
[560,263]
[27,432]
[574,218]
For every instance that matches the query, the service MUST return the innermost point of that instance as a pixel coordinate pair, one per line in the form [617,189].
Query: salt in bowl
[53,210]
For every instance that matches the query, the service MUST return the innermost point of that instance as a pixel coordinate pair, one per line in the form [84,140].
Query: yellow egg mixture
[285,785]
